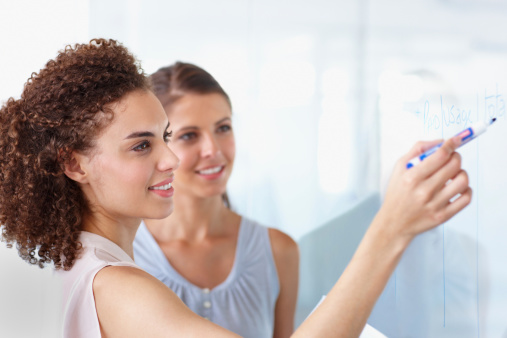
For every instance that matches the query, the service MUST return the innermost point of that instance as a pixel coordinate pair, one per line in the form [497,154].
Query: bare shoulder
[118,290]
[111,273]
[283,246]
[132,303]
[286,257]
[111,281]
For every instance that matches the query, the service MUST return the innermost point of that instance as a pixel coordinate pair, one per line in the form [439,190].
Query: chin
[211,193]
[217,191]
[161,214]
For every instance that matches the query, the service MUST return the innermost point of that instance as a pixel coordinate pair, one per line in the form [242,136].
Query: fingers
[458,185]
[457,205]
[451,144]
[449,171]
[434,162]
[424,192]
[419,148]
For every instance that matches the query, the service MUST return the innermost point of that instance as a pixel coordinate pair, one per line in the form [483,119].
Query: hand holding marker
[466,136]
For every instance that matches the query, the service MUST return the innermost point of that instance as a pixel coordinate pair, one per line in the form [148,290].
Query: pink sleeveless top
[80,315]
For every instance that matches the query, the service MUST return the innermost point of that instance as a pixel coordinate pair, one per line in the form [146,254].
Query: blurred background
[326,95]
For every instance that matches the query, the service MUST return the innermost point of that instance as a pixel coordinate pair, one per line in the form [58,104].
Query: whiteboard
[451,281]
[437,67]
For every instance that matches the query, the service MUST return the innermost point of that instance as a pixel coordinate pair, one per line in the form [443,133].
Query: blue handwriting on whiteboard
[450,114]
[494,105]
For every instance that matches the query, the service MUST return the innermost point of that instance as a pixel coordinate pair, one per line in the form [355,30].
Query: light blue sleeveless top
[245,302]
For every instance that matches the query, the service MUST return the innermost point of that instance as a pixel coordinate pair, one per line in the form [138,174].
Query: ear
[75,167]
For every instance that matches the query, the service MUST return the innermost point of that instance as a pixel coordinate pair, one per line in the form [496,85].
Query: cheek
[229,149]
[188,157]
[114,174]
[99,174]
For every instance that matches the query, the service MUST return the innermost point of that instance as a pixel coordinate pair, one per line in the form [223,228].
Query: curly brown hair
[62,109]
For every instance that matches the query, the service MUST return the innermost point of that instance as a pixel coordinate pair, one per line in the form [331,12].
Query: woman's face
[129,172]
[203,140]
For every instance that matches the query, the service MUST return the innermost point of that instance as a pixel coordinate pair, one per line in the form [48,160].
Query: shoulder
[122,292]
[286,257]
[130,302]
[112,283]
[285,249]
[111,273]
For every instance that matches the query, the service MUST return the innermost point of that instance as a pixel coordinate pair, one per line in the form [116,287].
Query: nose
[168,160]
[210,146]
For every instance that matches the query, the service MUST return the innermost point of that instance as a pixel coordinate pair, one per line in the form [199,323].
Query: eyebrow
[139,134]
[216,123]
[223,120]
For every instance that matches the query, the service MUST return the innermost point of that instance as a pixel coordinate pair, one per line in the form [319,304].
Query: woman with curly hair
[84,157]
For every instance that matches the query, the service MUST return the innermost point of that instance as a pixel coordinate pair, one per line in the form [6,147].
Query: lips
[211,173]
[163,188]
[211,170]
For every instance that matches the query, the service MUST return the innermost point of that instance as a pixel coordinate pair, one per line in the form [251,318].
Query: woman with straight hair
[223,266]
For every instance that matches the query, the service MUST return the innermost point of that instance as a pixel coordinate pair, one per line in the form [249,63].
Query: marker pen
[466,136]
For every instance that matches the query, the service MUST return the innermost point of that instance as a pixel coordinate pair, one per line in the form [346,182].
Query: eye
[224,128]
[142,146]
[188,136]
[167,136]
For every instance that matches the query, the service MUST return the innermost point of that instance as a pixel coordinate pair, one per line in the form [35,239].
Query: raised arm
[416,200]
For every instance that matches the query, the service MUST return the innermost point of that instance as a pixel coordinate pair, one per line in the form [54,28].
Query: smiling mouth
[210,171]
[162,187]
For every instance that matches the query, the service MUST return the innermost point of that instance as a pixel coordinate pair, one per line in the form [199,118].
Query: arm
[286,256]
[132,303]
[416,200]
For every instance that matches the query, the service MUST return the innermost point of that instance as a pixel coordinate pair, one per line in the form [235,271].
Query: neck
[121,232]
[194,219]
